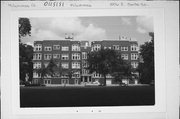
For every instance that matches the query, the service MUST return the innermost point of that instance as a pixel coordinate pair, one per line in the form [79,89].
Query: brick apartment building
[72,55]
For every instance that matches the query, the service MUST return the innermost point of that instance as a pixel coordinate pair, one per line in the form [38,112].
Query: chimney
[66,36]
[72,36]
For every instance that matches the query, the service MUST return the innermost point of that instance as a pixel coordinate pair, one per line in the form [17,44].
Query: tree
[24,27]
[25,51]
[122,71]
[43,72]
[104,62]
[146,68]
[50,70]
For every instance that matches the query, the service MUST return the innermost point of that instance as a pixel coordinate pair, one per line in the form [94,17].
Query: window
[65,48]
[35,81]
[76,75]
[75,47]
[36,75]
[65,57]
[46,64]
[47,81]
[64,81]
[64,76]
[37,65]
[124,48]
[109,76]
[96,75]
[134,47]
[37,56]
[38,47]
[75,65]
[116,47]
[47,48]
[84,71]
[124,56]
[76,56]
[84,55]
[65,65]
[134,56]
[47,56]
[134,64]
[85,64]
[56,47]
[96,47]
[56,56]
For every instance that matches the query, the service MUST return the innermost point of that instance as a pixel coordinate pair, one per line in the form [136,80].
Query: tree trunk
[104,80]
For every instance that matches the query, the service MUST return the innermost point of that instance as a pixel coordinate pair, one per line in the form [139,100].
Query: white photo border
[168,45]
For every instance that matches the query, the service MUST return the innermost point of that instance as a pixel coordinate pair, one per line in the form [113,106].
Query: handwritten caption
[61,4]
[128,4]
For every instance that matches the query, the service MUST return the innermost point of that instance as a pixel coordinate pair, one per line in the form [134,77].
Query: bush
[34,85]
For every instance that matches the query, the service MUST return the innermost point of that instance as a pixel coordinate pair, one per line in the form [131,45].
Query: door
[76,81]
[47,81]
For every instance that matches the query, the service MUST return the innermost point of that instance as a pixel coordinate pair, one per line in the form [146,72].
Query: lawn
[86,96]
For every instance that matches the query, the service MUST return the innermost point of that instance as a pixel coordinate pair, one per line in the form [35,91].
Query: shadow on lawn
[86,96]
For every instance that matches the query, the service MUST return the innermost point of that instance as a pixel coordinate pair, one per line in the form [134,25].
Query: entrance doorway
[64,81]
[47,81]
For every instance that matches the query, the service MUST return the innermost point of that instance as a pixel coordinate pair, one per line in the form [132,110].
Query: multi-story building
[71,56]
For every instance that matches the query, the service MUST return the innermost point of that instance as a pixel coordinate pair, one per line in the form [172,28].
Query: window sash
[37,56]
[76,56]
[38,47]
[65,65]
[75,65]
[56,47]
[47,56]
[64,57]
[75,48]
[65,48]
[47,48]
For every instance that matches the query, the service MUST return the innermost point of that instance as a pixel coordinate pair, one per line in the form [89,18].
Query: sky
[90,28]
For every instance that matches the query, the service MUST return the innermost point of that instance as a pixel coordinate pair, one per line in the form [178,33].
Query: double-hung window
[56,47]
[124,48]
[76,56]
[134,64]
[37,65]
[56,56]
[37,56]
[75,47]
[75,65]
[134,56]
[65,48]
[47,56]
[134,47]
[47,48]
[84,55]
[96,47]
[65,57]
[124,56]
[65,65]
[38,47]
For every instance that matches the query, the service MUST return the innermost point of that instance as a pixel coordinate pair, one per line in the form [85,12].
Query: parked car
[122,84]
[95,83]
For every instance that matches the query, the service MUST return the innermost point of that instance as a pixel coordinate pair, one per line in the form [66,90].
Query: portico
[86,79]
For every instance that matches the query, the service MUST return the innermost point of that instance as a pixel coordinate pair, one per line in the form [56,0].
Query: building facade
[71,56]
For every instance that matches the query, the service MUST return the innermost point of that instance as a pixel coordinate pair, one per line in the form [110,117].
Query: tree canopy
[25,51]
[24,27]
[146,68]
[104,62]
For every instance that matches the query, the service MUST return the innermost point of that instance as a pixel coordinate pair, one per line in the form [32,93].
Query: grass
[86,96]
